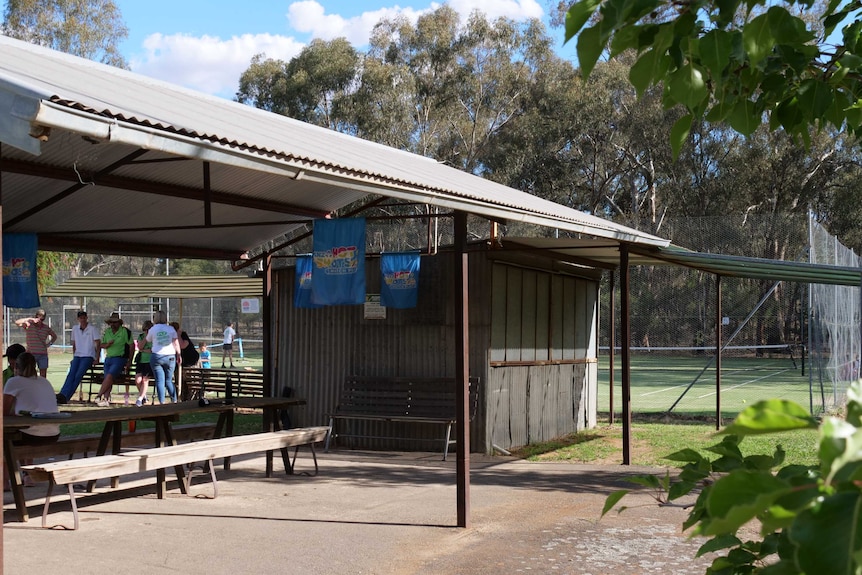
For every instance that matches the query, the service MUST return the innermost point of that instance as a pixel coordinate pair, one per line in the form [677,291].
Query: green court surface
[686,384]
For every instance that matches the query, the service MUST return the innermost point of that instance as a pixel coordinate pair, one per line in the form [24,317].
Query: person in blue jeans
[85,347]
[165,355]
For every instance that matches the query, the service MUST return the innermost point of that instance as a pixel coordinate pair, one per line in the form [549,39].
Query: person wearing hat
[85,348]
[40,337]
[12,353]
[118,343]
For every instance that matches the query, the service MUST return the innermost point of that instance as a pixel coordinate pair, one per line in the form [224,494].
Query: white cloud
[310,17]
[208,63]
[493,9]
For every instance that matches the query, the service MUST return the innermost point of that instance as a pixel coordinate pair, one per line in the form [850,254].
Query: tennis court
[684,384]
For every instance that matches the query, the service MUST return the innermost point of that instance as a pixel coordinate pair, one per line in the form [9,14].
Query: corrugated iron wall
[542,377]
[319,348]
[519,404]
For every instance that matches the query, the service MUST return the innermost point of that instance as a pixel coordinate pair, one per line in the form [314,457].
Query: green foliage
[47,266]
[91,29]
[809,516]
[744,63]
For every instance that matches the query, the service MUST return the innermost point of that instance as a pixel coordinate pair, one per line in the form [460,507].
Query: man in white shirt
[227,343]
[85,346]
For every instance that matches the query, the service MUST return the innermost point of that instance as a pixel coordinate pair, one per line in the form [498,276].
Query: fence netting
[778,339]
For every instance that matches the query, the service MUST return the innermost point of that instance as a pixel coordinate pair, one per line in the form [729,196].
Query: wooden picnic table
[162,415]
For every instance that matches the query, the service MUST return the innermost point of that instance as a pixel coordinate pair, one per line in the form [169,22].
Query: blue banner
[19,270]
[302,289]
[400,282]
[338,275]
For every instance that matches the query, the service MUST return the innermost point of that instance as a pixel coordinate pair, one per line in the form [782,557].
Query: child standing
[205,356]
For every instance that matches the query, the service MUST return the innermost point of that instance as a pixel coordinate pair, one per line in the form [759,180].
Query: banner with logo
[400,282]
[338,274]
[19,270]
[302,287]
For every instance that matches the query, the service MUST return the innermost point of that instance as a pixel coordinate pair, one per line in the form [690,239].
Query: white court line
[662,390]
[731,388]
[647,394]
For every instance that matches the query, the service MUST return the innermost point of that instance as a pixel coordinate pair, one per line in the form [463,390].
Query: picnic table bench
[215,382]
[89,443]
[401,400]
[73,471]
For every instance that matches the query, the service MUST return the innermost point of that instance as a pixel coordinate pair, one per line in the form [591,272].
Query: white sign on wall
[373,309]
[250,305]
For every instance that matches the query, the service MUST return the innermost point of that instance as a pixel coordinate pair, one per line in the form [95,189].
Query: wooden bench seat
[401,399]
[88,443]
[92,382]
[73,471]
[214,382]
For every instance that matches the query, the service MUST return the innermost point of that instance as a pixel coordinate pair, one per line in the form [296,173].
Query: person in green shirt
[143,371]
[119,344]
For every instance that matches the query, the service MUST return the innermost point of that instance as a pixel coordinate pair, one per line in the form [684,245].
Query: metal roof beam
[103,178]
[61,243]
[233,225]
[8,166]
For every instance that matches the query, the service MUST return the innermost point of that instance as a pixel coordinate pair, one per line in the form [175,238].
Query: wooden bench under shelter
[401,400]
[73,471]
[215,382]
[93,378]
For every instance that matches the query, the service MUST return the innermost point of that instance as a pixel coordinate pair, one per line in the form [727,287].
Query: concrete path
[365,513]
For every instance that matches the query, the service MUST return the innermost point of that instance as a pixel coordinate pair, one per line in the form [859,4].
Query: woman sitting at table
[29,392]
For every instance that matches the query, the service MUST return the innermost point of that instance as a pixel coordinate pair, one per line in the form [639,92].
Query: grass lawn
[651,442]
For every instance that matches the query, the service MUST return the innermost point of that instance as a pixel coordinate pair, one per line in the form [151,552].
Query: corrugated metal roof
[604,254]
[159,287]
[87,187]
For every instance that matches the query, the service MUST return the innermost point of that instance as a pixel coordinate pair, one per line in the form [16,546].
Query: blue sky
[207,44]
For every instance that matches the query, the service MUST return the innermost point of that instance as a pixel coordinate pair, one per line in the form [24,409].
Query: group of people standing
[157,350]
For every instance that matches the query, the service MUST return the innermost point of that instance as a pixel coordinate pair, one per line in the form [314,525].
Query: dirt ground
[365,513]
[558,528]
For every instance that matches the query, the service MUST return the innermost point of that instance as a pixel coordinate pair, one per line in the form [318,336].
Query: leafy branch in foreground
[735,61]
[810,518]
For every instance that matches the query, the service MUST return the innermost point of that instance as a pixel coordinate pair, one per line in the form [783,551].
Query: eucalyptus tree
[314,87]
[264,85]
[440,87]
[461,83]
[91,29]
[590,145]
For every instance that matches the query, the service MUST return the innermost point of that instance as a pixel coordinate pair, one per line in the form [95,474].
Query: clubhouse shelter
[101,160]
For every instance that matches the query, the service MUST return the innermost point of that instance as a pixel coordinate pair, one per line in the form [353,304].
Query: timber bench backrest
[401,400]
[221,382]
[404,398]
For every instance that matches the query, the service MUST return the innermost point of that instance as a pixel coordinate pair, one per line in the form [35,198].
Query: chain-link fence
[834,329]
[779,339]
